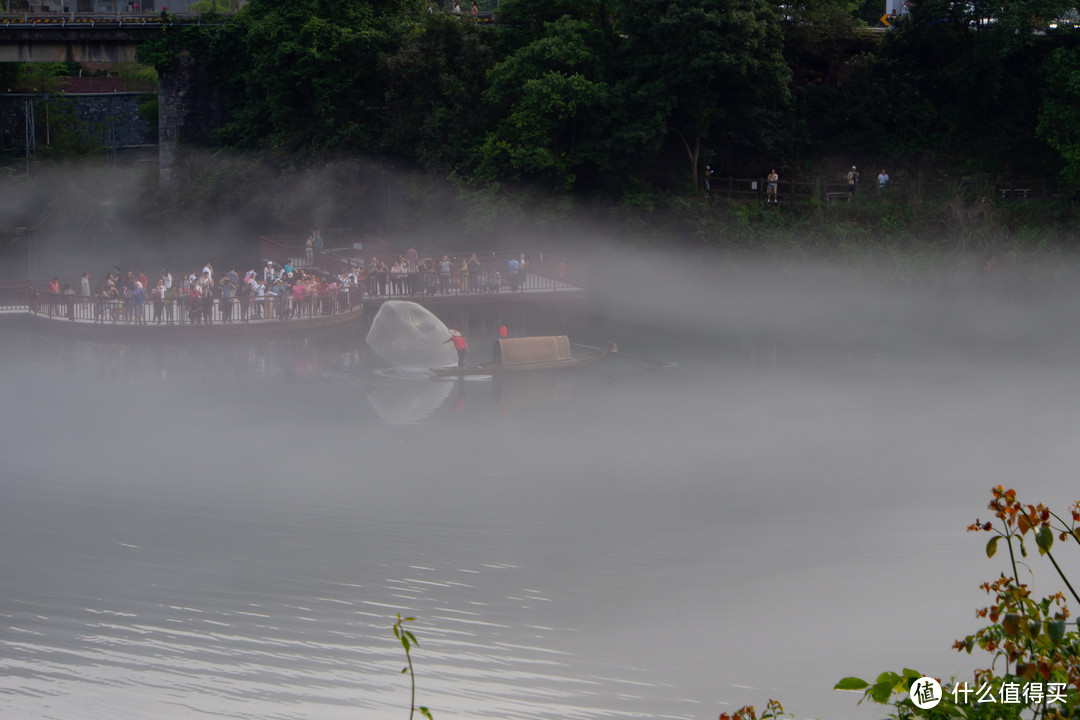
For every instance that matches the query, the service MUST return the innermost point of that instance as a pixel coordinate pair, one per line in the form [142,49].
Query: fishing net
[405,334]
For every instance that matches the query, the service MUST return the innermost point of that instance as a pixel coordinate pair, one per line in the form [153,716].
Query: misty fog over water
[230,530]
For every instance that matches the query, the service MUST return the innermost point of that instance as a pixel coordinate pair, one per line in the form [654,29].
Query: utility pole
[31,140]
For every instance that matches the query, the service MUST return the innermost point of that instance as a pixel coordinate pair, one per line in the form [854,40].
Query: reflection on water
[229,610]
[169,609]
[233,535]
[230,530]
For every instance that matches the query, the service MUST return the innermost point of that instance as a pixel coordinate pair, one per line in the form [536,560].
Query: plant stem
[412,680]
[1012,558]
[1067,530]
[1062,575]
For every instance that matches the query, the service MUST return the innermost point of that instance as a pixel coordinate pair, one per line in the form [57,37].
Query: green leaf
[412,638]
[851,683]
[881,692]
[1044,538]
[991,546]
[887,677]
[404,670]
[1055,629]
[425,712]
[884,687]
[1023,550]
[405,642]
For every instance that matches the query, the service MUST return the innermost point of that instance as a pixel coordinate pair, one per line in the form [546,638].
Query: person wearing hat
[460,345]
[852,181]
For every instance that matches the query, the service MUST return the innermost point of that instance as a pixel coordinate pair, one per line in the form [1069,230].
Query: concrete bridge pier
[189,109]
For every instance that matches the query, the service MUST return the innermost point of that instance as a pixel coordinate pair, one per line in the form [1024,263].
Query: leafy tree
[941,91]
[713,69]
[1059,116]
[313,80]
[215,6]
[831,17]
[531,16]
[1039,655]
[434,82]
[1014,18]
[550,102]
[44,77]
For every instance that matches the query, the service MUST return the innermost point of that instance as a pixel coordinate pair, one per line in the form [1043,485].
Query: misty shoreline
[85,216]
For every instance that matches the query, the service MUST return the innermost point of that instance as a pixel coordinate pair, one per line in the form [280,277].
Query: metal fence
[183,309]
[493,277]
[344,252]
[13,296]
[820,190]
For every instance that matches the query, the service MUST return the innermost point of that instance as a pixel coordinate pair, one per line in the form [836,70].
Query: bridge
[543,301]
[552,289]
[78,37]
[96,37]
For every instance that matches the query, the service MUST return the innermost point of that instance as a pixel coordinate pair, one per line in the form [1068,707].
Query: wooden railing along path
[802,191]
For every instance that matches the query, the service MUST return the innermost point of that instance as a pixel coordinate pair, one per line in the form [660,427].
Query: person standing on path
[852,181]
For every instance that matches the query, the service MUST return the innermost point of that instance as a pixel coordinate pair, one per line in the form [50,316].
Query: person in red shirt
[460,345]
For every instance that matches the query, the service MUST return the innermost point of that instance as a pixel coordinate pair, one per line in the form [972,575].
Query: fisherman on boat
[460,345]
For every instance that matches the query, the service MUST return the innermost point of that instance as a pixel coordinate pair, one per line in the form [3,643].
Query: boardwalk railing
[13,296]
[750,189]
[544,275]
[186,310]
[343,252]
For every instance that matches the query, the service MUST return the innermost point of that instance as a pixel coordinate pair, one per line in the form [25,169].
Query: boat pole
[613,350]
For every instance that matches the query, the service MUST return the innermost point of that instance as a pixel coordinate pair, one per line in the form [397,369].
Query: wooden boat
[530,354]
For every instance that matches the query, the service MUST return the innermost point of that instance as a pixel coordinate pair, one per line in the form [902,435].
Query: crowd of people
[203,297]
[272,292]
[411,275]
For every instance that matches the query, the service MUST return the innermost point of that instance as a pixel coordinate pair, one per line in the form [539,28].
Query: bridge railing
[180,308]
[13,296]
[66,19]
[542,273]
[344,251]
[802,191]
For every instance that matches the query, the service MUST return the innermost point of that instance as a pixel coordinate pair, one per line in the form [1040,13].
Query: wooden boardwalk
[550,283]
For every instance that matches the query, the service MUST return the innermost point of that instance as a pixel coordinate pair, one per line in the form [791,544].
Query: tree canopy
[598,96]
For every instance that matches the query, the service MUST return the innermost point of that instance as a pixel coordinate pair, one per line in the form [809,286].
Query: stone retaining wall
[107,119]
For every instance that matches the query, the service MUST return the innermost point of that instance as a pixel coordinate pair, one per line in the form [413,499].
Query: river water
[231,530]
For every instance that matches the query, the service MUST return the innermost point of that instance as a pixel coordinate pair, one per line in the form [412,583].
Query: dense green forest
[612,98]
